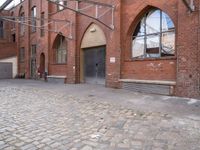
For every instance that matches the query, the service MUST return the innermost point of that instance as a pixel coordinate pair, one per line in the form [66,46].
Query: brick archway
[93,48]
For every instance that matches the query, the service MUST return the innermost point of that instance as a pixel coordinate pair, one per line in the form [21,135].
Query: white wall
[12,60]
[93,37]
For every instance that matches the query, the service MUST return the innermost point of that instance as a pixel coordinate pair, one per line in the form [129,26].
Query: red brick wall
[113,44]
[7,50]
[150,70]
[188,51]
[66,69]
[59,70]
[31,38]
[7,46]
[185,70]
[182,68]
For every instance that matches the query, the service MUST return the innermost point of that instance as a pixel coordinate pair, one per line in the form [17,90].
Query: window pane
[64,56]
[153,46]
[154,37]
[153,22]
[167,23]
[33,15]
[34,12]
[138,47]
[59,56]
[168,43]
[42,24]
[140,29]
[33,51]
[62,45]
[61,49]
[22,26]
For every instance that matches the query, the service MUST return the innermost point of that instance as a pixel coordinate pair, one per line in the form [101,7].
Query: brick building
[8,50]
[154,46]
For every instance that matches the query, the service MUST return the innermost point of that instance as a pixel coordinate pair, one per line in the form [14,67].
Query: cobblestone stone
[87,148]
[35,118]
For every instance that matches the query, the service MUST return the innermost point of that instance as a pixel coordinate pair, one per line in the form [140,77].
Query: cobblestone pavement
[35,118]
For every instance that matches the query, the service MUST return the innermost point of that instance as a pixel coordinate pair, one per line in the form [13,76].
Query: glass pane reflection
[153,46]
[168,46]
[154,36]
[138,47]
[153,22]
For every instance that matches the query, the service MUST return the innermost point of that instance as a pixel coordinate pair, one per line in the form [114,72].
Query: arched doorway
[42,65]
[93,56]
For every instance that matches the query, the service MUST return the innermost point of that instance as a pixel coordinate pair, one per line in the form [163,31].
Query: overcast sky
[15,2]
[2,1]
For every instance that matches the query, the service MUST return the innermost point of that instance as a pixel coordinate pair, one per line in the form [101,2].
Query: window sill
[57,77]
[150,59]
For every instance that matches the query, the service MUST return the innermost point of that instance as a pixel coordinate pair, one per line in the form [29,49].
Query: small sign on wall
[112,60]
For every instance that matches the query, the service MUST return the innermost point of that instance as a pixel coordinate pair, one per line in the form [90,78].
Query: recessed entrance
[42,65]
[94,65]
[93,56]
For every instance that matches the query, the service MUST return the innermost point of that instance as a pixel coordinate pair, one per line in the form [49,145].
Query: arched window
[22,25]
[154,36]
[61,50]
[33,18]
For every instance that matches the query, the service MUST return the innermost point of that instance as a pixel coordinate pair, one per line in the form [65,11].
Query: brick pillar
[187,52]
[71,52]
[113,62]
